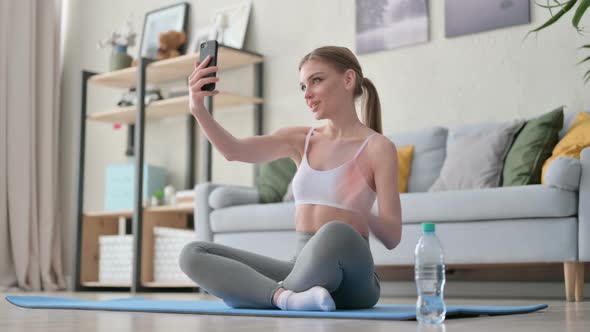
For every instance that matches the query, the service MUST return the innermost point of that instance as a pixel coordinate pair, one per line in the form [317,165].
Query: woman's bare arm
[387,226]
[283,142]
[255,149]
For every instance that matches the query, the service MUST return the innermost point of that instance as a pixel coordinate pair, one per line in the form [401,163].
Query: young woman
[343,167]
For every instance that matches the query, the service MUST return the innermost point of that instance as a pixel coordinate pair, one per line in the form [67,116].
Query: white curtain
[30,80]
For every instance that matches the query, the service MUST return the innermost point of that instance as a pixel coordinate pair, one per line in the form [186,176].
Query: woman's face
[324,88]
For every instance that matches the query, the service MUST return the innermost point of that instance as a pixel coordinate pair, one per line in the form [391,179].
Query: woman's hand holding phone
[196,81]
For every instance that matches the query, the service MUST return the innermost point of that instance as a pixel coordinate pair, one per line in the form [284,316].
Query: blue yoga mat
[380,311]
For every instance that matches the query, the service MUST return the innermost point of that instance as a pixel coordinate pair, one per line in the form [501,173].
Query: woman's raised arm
[256,149]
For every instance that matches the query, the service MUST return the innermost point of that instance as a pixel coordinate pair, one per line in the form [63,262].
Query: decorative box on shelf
[120,185]
[168,243]
[185,196]
[115,257]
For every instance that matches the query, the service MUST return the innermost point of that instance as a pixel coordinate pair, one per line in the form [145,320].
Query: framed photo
[161,20]
[200,35]
[231,23]
[464,17]
[388,24]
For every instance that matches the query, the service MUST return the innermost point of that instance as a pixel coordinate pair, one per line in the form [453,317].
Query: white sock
[314,299]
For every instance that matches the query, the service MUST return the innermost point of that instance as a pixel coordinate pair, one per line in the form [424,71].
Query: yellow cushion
[404,157]
[576,139]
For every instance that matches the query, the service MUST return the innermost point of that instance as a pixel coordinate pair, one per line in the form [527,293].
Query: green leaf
[584,46]
[586,59]
[557,16]
[587,78]
[548,6]
[580,12]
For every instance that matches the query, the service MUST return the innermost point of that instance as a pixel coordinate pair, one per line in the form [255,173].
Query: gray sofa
[522,224]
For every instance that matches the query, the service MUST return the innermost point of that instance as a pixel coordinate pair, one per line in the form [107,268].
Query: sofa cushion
[568,119]
[531,147]
[404,160]
[289,194]
[475,158]
[428,157]
[254,217]
[532,201]
[491,242]
[274,178]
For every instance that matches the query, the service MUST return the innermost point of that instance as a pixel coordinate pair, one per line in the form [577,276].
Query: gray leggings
[336,257]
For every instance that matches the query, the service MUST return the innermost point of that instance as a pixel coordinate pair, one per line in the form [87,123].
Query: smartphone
[209,48]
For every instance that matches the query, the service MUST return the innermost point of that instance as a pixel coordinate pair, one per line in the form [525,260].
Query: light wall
[496,75]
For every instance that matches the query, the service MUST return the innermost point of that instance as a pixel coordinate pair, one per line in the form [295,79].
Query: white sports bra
[343,187]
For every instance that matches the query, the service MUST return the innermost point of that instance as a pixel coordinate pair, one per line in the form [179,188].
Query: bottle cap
[427,227]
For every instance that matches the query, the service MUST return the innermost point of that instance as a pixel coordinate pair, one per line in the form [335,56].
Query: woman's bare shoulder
[381,143]
[380,147]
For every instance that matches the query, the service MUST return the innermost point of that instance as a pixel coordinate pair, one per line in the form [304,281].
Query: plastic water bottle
[430,277]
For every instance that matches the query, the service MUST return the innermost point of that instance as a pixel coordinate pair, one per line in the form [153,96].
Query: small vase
[155,201]
[120,59]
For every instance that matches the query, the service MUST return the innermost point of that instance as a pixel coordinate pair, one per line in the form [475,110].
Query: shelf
[110,214]
[105,284]
[174,69]
[169,284]
[94,224]
[151,220]
[169,107]
[180,207]
[107,223]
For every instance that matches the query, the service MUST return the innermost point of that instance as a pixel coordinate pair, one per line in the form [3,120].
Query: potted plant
[564,7]
[120,41]
[157,198]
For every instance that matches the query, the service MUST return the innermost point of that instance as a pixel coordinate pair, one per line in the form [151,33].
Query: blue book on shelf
[120,185]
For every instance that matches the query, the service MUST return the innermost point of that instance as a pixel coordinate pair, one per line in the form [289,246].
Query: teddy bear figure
[170,43]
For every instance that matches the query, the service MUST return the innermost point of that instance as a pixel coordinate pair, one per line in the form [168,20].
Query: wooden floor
[560,316]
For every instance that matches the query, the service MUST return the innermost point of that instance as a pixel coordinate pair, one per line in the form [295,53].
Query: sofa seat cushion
[253,218]
[547,240]
[532,201]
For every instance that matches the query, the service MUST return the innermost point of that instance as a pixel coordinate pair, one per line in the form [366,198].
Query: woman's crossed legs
[336,258]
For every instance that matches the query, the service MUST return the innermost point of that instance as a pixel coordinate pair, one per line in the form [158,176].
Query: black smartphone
[209,48]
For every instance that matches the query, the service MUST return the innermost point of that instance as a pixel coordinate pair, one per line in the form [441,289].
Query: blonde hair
[343,59]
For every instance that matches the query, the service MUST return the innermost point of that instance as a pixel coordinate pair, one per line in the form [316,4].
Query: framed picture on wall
[464,17]
[231,24]
[200,35]
[162,20]
[387,24]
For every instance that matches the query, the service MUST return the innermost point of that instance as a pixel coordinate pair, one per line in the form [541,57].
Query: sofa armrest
[202,211]
[203,208]
[231,195]
[584,208]
[564,173]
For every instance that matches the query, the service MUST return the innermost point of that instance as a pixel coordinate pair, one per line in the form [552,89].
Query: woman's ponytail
[371,106]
